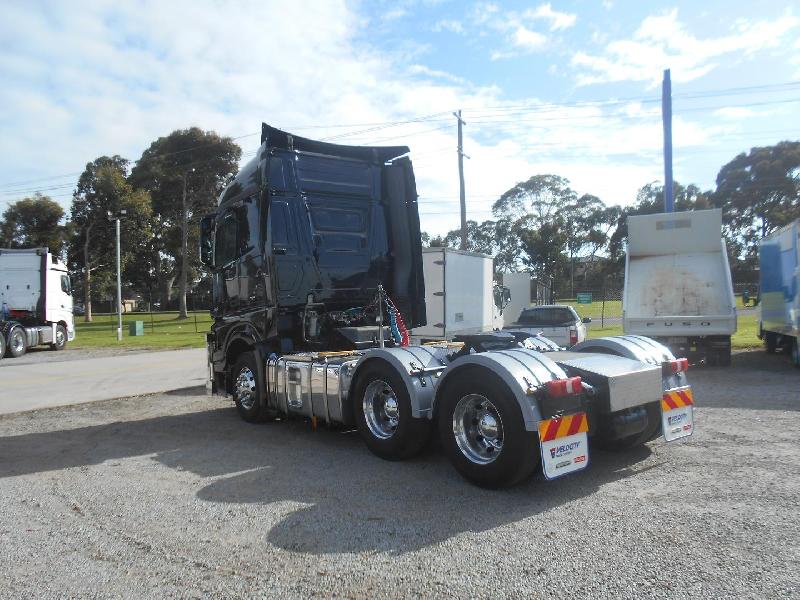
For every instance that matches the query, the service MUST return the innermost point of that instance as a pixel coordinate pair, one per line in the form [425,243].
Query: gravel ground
[174,496]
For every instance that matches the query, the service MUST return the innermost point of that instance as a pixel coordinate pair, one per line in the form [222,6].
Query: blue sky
[570,88]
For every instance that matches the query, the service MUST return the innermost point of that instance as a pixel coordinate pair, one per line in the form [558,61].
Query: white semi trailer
[35,301]
[678,287]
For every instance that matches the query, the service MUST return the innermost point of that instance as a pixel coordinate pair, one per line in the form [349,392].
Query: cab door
[225,259]
[288,258]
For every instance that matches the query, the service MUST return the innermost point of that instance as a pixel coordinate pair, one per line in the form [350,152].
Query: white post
[119,290]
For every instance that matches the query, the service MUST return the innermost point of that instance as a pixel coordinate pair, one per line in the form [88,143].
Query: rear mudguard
[639,348]
[524,371]
[425,370]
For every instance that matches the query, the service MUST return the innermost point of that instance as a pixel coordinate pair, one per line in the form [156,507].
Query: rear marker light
[564,387]
[679,365]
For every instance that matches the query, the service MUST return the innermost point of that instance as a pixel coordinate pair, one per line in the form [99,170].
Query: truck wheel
[796,352]
[383,414]
[770,342]
[16,342]
[724,357]
[2,345]
[248,389]
[61,338]
[483,432]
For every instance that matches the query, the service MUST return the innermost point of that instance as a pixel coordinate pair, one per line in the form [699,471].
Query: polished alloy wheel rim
[246,388]
[17,343]
[59,337]
[381,409]
[478,429]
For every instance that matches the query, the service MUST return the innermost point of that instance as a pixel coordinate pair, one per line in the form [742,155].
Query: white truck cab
[35,301]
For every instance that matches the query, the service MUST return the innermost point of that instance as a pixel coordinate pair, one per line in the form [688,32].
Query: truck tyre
[796,352]
[483,432]
[2,345]
[17,344]
[249,393]
[383,414]
[61,338]
[770,342]
[724,357]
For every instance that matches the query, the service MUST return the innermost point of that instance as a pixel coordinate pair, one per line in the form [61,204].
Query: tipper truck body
[317,279]
[678,287]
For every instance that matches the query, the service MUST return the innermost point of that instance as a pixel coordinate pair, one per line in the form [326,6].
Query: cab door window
[226,243]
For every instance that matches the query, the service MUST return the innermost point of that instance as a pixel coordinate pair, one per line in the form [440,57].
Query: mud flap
[564,445]
[677,414]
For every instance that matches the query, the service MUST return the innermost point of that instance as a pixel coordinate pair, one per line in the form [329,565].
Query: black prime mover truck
[316,259]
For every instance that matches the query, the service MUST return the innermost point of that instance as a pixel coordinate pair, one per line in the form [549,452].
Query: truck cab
[35,300]
[300,242]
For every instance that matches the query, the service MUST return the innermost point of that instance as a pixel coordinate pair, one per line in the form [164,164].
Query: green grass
[163,330]
[744,338]
[613,308]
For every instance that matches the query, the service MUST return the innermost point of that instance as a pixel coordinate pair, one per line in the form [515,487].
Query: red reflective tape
[575,424]
[552,430]
[670,402]
[687,400]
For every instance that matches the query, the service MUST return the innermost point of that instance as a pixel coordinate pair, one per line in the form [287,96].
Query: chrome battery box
[619,382]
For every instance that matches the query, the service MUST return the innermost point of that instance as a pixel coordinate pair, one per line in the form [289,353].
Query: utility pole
[666,115]
[462,194]
[119,276]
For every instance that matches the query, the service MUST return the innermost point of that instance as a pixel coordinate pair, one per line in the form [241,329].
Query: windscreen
[546,317]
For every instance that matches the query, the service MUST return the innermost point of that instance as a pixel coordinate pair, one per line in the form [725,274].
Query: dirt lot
[174,496]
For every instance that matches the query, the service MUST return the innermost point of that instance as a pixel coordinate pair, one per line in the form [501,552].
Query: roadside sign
[564,445]
[584,297]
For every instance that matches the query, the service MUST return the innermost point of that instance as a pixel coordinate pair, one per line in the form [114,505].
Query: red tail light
[573,336]
[679,365]
[564,387]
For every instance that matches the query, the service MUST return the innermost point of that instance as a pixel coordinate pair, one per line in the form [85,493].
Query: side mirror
[587,319]
[207,240]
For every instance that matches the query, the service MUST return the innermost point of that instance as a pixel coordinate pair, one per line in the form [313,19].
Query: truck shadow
[341,498]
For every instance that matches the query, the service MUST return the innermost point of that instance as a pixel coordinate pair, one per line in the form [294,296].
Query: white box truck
[779,316]
[459,294]
[678,286]
[35,301]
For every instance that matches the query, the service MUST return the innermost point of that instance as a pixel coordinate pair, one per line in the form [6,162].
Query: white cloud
[528,40]
[558,20]
[663,42]
[395,13]
[451,25]
[734,112]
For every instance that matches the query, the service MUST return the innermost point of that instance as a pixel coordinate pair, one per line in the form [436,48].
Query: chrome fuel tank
[311,384]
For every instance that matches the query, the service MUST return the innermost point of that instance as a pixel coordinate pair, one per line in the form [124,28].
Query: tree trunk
[87,283]
[183,282]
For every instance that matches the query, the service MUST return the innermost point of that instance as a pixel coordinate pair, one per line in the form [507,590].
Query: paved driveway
[47,384]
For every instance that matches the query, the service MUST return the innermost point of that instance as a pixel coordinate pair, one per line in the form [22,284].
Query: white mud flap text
[564,445]
[677,414]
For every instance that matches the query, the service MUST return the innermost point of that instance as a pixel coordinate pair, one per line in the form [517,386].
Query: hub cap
[381,410]
[246,388]
[18,342]
[478,429]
